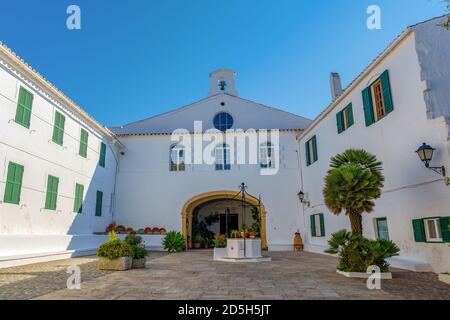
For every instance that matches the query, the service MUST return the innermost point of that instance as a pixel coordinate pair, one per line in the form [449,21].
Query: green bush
[357,254]
[198,238]
[114,249]
[139,252]
[133,240]
[174,242]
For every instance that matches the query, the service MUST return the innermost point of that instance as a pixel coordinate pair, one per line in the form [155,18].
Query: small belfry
[222,81]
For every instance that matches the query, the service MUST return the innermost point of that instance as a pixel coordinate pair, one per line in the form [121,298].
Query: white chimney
[336,87]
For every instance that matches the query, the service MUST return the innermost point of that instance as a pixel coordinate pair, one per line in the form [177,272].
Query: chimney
[336,87]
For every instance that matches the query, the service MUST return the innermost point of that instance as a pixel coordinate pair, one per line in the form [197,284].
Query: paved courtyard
[193,275]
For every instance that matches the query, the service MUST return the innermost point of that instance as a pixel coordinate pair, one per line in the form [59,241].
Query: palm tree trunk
[356,223]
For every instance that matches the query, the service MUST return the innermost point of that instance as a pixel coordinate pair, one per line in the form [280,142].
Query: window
[377,99]
[177,162]
[102,159]
[99,204]
[78,205]
[58,128]
[266,153]
[382,228]
[317,225]
[311,151]
[13,183]
[345,118]
[84,136]
[223,121]
[222,154]
[52,193]
[24,107]
[432,229]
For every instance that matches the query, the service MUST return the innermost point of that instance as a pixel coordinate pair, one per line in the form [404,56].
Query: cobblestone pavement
[30,281]
[290,275]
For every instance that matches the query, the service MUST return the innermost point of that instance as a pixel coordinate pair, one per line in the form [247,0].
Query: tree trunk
[356,223]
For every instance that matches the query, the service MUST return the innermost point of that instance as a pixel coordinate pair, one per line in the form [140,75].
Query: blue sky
[137,58]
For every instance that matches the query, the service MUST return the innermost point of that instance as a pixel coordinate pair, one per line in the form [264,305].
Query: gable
[246,115]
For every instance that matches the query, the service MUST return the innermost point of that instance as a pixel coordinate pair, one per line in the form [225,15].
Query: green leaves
[174,242]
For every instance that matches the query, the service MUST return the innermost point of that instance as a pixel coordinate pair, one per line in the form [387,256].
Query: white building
[150,179]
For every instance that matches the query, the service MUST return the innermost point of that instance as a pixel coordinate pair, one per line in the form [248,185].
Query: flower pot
[119,264]
[139,263]
[444,278]
[220,253]
[197,245]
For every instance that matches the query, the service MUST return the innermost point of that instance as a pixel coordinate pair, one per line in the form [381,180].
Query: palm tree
[352,184]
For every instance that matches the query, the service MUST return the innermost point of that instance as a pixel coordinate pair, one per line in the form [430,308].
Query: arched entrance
[194,202]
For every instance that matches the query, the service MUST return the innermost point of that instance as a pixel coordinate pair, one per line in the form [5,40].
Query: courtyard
[193,275]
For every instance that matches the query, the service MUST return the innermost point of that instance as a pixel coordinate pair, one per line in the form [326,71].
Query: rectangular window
[79,194]
[102,159]
[345,119]
[317,225]
[311,151]
[433,230]
[99,204]
[222,154]
[13,183]
[382,228]
[52,193]
[84,136]
[58,128]
[24,107]
[377,99]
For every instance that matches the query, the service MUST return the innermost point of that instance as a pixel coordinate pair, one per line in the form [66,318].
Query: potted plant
[148,230]
[220,246]
[198,241]
[174,242]
[120,229]
[139,252]
[130,230]
[140,231]
[162,231]
[155,230]
[115,254]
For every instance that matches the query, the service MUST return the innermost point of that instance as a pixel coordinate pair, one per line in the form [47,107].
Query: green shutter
[387,95]
[322,225]
[308,156]
[445,228]
[13,183]
[102,159]
[24,107]
[83,143]
[58,128]
[314,144]
[368,106]
[52,193]
[349,113]
[419,230]
[78,205]
[340,122]
[99,204]
[313,226]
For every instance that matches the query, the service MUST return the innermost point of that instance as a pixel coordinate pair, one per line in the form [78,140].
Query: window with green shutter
[377,99]
[311,151]
[445,228]
[52,193]
[102,160]
[99,204]
[13,183]
[24,107]
[79,193]
[317,225]
[345,118]
[84,136]
[58,128]
[313,225]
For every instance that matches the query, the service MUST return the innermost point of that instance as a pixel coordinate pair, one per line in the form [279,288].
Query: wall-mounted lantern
[425,153]
[301,197]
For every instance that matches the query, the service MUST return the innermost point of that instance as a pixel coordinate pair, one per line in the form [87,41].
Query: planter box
[363,275]
[119,264]
[444,278]
[139,263]
[239,249]
[220,253]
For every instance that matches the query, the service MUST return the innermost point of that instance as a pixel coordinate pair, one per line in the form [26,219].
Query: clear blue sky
[137,58]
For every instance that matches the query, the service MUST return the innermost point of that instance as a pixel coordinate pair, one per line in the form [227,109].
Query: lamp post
[425,153]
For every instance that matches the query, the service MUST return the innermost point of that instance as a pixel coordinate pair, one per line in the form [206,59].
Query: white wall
[393,140]
[33,148]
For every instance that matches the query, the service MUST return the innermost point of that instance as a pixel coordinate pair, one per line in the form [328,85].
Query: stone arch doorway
[194,202]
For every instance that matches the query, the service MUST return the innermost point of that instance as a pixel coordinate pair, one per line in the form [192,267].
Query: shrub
[357,254]
[115,248]
[220,241]
[139,252]
[198,238]
[140,231]
[133,240]
[174,242]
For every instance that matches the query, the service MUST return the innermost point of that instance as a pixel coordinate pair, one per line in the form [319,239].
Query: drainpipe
[305,238]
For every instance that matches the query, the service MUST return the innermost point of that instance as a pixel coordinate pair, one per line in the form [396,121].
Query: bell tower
[222,81]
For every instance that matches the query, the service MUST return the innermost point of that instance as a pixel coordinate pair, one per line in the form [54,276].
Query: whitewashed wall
[411,191]
[33,148]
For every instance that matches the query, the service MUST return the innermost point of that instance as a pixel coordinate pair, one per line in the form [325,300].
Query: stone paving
[290,275]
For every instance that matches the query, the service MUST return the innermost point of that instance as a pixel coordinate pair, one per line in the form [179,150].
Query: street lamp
[301,197]
[425,153]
